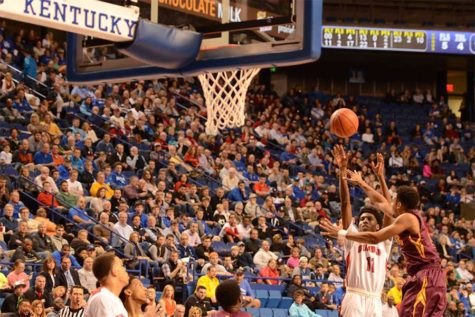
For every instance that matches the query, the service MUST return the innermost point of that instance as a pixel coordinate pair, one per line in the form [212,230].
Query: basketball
[344,123]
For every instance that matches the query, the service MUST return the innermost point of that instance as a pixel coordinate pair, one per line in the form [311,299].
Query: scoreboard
[406,40]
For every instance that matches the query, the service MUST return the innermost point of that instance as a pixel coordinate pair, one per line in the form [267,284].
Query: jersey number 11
[370,264]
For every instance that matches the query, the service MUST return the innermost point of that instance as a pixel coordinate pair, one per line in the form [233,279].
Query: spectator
[298,308]
[465,275]
[67,276]
[18,275]
[44,177]
[122,230]
[86,275]
[49,273]
[58,305]
[262,257]
[213,261]
[210,282]
[58,240]
[174,271]
[389,309]
[199,300]
[248,296]
[64,197]
[39,293]
[99,183]
[102,231]
[65,251]
[396,291]
[11,301]
[76,303]
[167,300]
[270,273]
[25,253]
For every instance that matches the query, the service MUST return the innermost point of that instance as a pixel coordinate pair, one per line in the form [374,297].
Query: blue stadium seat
[322,312]
[263,296]
[268,287]
[253,311]
[332,313]
[158,295]
[274,299]
[281,312]
[286,302]
[266,312]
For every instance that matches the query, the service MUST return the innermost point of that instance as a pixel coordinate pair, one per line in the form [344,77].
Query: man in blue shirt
[248,296]
[105,145]
[29,65]
[65,251]
[139,211]
[298,192]
[44,156]
[16,203]
[79,216]
[117,179]
[76,161]
[20,103]
[240,193]
[287,156]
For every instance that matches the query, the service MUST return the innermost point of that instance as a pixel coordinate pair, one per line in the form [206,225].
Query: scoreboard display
[406,40]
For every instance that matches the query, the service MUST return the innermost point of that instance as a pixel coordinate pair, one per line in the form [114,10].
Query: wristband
[342,233]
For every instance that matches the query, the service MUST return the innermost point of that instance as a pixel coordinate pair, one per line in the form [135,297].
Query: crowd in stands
[127,168]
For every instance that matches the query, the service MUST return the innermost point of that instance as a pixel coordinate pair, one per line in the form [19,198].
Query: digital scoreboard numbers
[452,42]
[374,39]
[425,41]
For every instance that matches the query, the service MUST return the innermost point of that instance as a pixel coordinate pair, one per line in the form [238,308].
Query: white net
[225,96]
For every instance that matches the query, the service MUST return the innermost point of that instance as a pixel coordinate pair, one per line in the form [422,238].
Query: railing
[61,216]
[21,74]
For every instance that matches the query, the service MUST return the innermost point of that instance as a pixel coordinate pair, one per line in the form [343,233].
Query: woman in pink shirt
[18,274]
[294,259]
[427,170]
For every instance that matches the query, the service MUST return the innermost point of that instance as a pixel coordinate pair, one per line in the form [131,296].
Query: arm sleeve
[99,308]
[293,311]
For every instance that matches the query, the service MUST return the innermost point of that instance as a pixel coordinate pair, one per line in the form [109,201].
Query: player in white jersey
[365,263]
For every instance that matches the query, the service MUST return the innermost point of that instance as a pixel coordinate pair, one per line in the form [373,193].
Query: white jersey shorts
[359,305]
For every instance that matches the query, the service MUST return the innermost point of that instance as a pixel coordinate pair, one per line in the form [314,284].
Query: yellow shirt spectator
[396,291]
[210,282]
[96,186]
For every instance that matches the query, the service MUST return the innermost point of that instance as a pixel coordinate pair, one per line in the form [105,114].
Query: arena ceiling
[428,13]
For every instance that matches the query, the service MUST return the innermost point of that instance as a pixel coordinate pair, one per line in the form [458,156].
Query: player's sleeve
[99,307]
[348,243]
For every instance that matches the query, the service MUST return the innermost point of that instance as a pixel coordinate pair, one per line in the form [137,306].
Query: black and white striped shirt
[69,312]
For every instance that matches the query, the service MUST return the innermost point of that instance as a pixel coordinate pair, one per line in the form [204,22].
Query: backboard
[237,34]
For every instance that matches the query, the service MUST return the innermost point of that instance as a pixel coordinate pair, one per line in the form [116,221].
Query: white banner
[87,17]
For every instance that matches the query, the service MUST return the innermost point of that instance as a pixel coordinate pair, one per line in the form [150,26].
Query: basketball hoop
[225,96]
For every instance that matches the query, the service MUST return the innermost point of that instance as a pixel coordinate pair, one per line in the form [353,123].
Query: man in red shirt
[46,197]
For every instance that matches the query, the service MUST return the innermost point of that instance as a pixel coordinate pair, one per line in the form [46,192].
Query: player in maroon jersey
[424,293]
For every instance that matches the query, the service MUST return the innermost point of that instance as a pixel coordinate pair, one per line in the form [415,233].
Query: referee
[77,303]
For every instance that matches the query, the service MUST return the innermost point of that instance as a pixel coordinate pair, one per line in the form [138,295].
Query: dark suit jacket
[50,283]
[9,304]
[46,296]
[61,278]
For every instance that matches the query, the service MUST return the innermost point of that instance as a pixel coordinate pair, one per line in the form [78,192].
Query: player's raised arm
[379,171]
[402,223]
[378,200]
[341,159]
